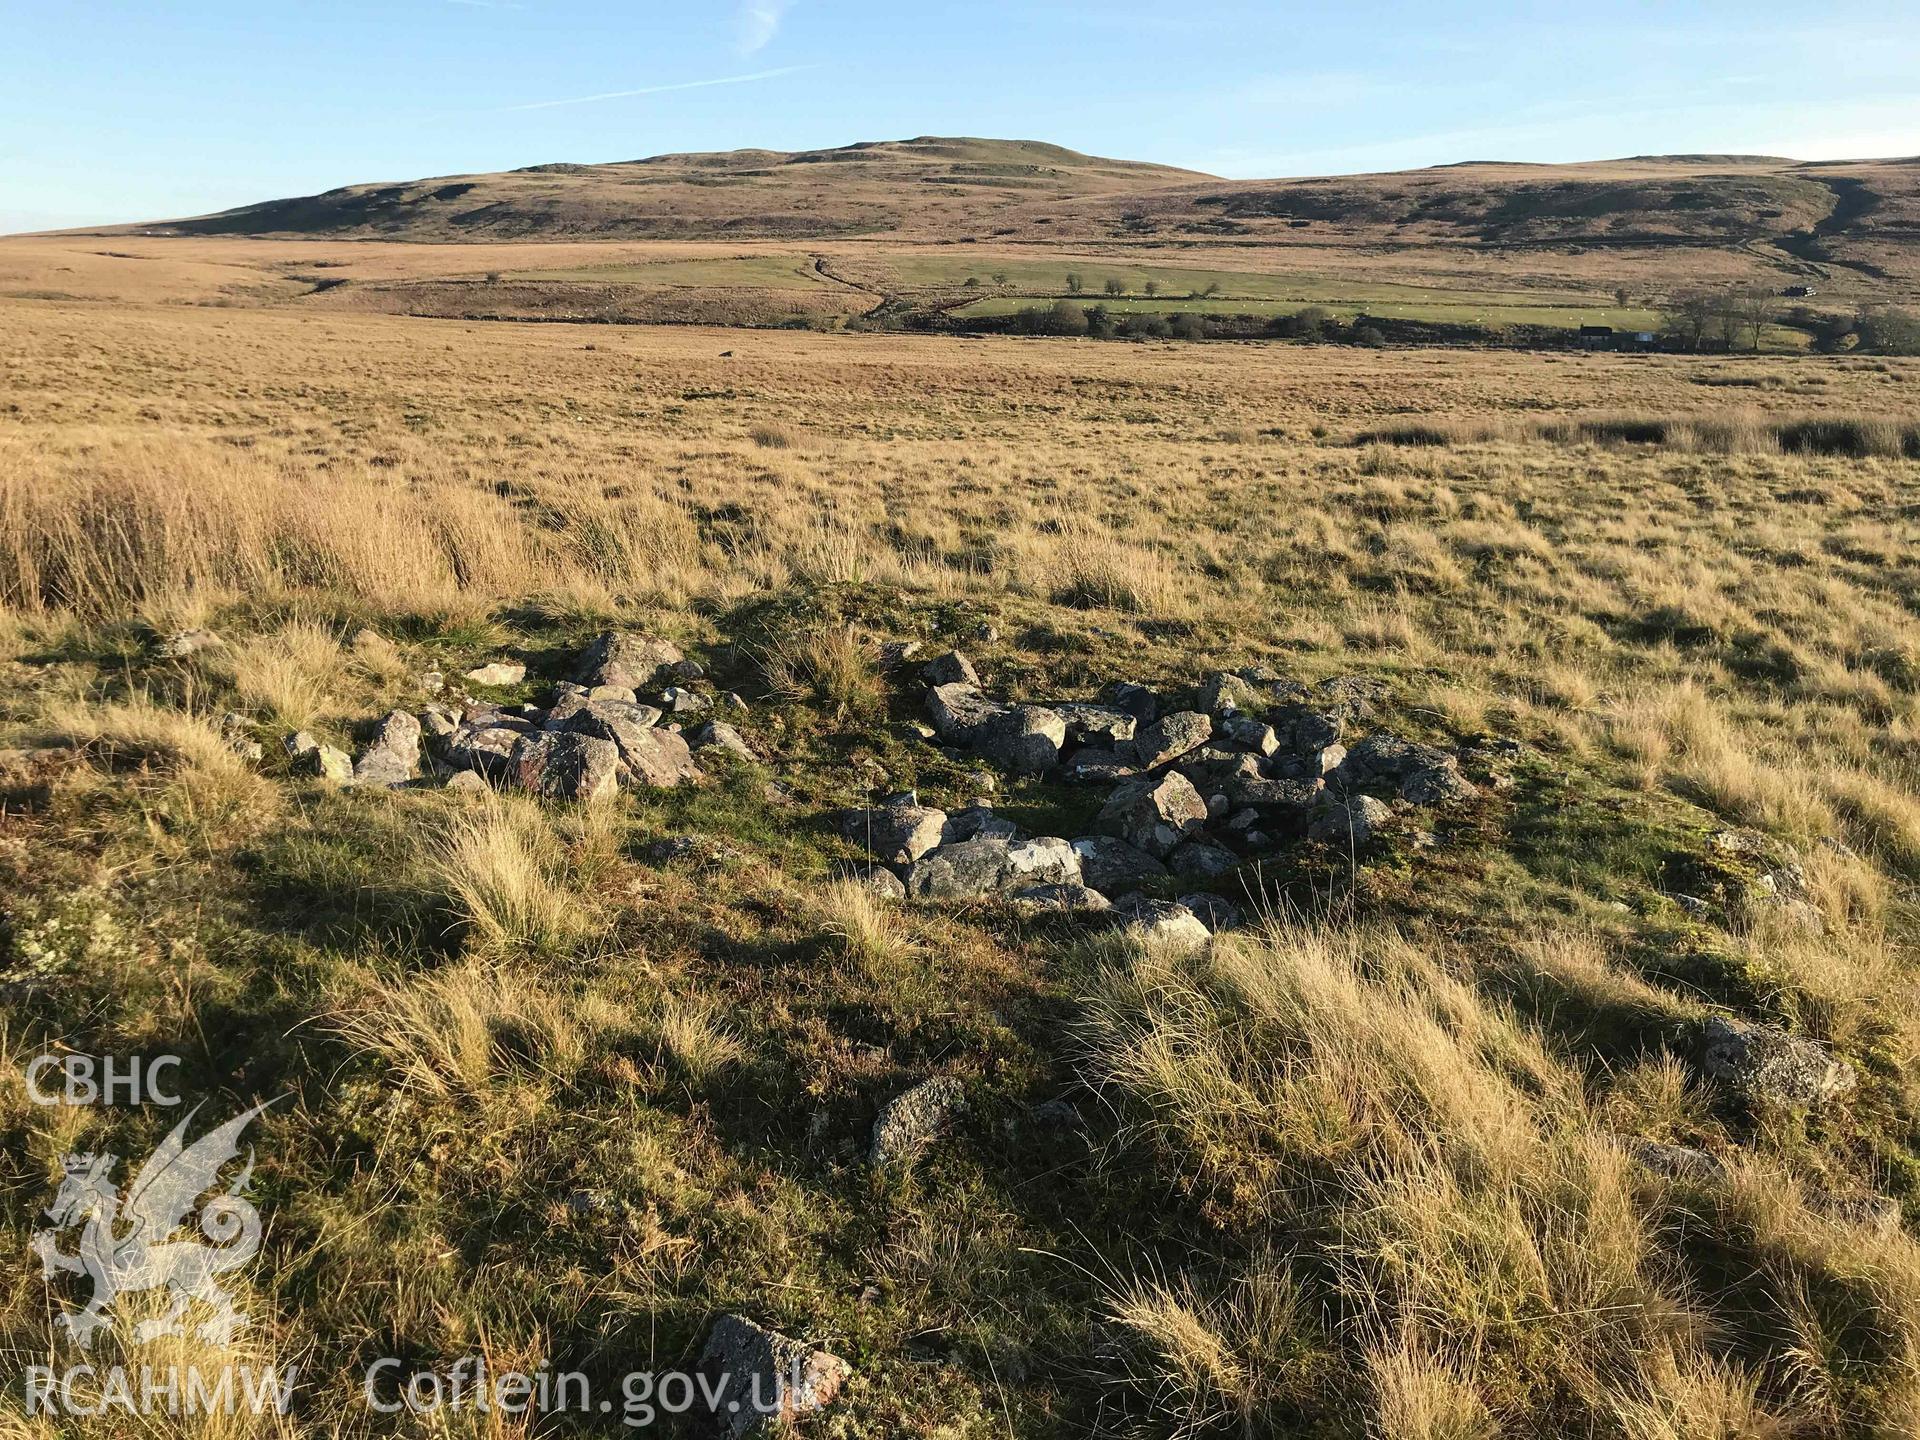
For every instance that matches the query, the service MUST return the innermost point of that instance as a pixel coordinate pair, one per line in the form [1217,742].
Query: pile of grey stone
[635,715]
[1199,783]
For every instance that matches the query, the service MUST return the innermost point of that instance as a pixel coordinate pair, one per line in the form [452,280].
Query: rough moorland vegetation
[1471,987]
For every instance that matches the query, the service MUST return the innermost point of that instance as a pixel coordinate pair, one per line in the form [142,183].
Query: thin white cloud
[756,22]
[665,89]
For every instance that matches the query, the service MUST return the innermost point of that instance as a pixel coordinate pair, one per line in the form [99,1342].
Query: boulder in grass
[1103,726]
[1136,700]
[976,821]
[1024,738]
[896,834]
[1154,815]
[970,870]
[565,766]
[392,758]
[649,756]
[657,759]
[1350,824]
[1196,857]
[1161,922]
[914,1119]
[1059,900]
[719,734]
[958,711]
[1765,1064]
[1170,737]
[1216,912]
[1048,860]
[307,755]
[952,668]
[498,672]
[484,748]
[1306,731]
[1114,866]
[631,661]
[759,1382]
[1222,694]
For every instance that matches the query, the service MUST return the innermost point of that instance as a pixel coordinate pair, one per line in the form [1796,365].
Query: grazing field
[1437,1144]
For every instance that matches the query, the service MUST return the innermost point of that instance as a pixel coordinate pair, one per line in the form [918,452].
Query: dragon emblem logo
[126,1244]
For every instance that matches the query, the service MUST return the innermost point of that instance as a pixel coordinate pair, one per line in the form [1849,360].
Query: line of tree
[1737,317]
[1729,317]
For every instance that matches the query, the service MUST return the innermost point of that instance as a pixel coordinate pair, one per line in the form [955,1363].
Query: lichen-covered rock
[1289,800]
[1436,785]
[184,644]
[1162,922]
[958,711]
[975,821]
[1136,700]
[307,755]
[565,766]
[1255,736]
[760,1382]
[1765,1064]
[970,870]
[1048,860]
[723,736]
[1024,738]
[498,672]
[1675,1162]
[649,756]
[1216,912]
[1114,866]
[1223,694]
[881,882]
[1154,815]
[952,668]
[630,661]
[392,758]
[1196,857]
[1102,726]
[912,1120]
[468,782]
[896,834]
[1059,899]
[1351,823]
[485,749]
[1386,762]
[1306,731]
[1094,766]
[1170,737]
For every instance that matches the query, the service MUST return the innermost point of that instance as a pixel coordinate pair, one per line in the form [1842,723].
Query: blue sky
[121,111]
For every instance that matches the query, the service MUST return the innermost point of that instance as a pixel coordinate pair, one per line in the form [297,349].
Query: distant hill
[1855,223]
[877,188]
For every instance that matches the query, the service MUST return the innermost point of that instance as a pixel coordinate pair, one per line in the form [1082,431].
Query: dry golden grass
[1486,1227]
[1392,1159]
[510,882]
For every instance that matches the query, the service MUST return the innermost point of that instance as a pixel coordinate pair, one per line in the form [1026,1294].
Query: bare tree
[1689,315]
[1116,286]
[1756,311]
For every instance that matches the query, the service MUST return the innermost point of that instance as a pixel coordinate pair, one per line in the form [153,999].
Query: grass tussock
[1848,437]
[455,1032]
[1492,1245]
[508,880]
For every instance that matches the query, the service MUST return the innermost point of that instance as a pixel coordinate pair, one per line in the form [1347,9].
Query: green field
[1464,309]
[765,272]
